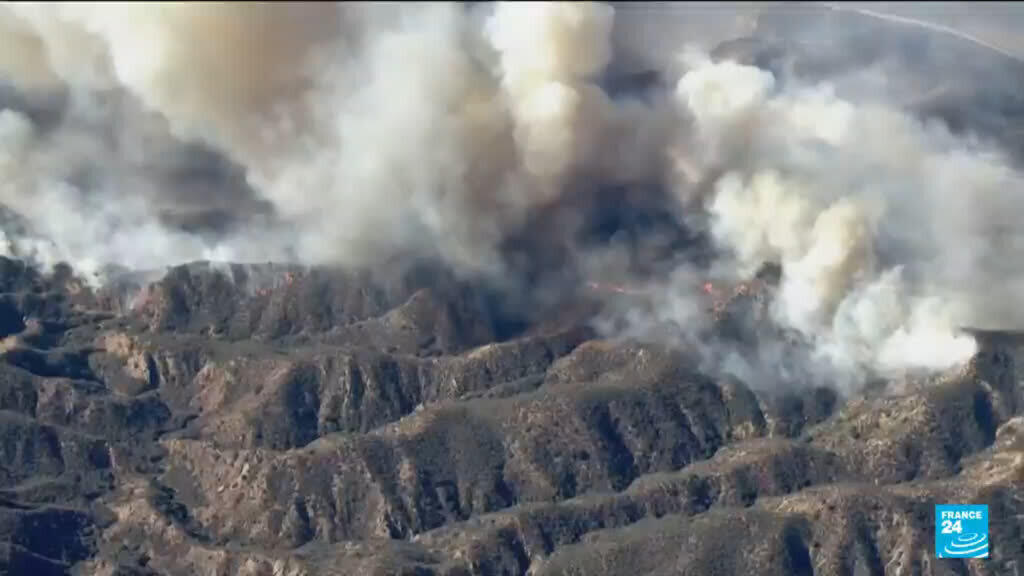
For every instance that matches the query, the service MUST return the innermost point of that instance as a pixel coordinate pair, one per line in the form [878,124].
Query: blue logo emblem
[961,531]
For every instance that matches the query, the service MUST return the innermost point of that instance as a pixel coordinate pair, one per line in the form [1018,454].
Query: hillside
[311,425]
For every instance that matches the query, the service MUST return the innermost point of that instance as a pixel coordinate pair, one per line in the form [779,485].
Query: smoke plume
[539,145]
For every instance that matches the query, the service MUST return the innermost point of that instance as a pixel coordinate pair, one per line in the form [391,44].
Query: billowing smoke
[482,136]
[829,190]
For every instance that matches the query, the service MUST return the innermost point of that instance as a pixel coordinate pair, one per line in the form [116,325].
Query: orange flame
[719,299]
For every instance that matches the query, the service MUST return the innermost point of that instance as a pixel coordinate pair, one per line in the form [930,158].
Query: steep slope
[134,447]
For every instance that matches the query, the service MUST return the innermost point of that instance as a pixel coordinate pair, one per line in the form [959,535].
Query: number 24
[949,527]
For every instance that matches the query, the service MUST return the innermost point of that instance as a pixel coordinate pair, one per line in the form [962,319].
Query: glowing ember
[720,299]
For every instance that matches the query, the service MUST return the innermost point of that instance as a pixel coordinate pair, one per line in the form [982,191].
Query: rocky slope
[272,421]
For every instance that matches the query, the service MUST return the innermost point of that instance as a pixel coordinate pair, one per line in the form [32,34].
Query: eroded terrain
[306,424]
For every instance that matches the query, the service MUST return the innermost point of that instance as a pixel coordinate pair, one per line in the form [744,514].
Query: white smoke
[550,54]
[372,132]
[71,226]
[831,190]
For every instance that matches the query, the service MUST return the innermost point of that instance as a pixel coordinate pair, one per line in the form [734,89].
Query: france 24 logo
[961,531]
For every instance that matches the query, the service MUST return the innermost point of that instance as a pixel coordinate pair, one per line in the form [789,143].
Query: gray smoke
[872,154]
